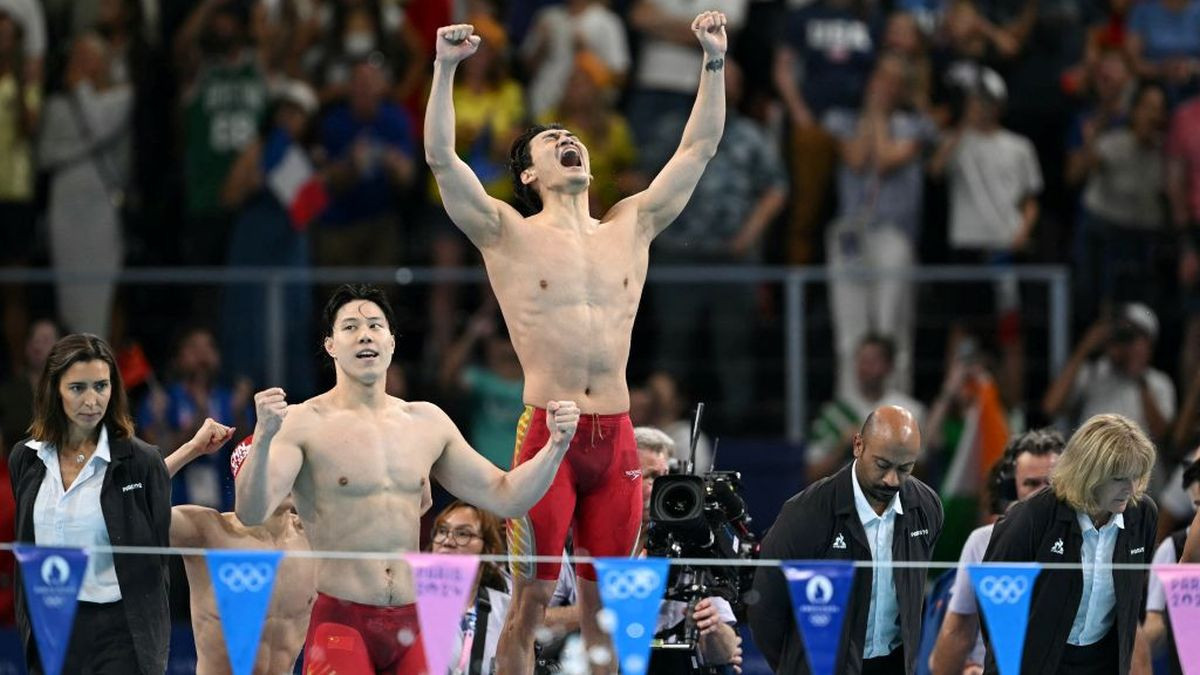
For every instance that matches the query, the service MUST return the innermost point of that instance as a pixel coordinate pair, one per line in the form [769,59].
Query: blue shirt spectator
[836,42]
[1166,32]
[342,134]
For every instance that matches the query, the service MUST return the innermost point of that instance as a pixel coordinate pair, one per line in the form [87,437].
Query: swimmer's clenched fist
[270,407]
[456,43]
[709,28]
[562,417]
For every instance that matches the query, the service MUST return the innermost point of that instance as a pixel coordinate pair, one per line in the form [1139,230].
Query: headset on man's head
[1036,441]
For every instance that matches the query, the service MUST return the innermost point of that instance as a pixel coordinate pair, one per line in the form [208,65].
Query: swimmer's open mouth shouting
[569,155]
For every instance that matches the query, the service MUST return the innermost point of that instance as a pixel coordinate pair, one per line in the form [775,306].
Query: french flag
[293,181]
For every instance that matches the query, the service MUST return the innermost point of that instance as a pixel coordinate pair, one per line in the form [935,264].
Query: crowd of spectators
[884,135]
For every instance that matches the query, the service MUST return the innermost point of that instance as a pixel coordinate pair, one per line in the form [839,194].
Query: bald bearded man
[871,510]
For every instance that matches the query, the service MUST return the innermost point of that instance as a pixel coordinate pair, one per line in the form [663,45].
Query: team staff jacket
[821,523]
[1045,529]
[136,500]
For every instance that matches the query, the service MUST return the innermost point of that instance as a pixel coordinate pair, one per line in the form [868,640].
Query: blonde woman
[1095,512]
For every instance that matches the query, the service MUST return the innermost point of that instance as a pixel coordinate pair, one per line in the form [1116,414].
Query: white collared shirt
[883,617]
[1098,604]
[73,517]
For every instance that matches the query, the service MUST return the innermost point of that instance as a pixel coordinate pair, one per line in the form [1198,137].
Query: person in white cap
[1121,380]
[275,192]
[993,179]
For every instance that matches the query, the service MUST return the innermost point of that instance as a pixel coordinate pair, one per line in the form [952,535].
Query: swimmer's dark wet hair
[519,159]
[352,292]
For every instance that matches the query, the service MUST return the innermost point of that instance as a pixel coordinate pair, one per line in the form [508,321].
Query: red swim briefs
[598,490]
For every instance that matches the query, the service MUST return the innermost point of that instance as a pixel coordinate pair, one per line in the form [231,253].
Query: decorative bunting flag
[242,582]
[52,577]
[632,591]
[1182,586]
[819,592]
[443,584]
[1003,593]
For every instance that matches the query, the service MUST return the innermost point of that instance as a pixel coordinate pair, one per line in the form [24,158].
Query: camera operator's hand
[706,617]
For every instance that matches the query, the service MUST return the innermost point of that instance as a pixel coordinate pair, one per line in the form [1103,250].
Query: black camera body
[698,517]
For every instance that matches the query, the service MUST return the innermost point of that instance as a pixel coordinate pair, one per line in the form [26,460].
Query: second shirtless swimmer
[357,462]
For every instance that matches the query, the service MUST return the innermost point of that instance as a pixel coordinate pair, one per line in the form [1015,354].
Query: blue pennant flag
[819,592]
[632,590]
[52,578]
[1003,593]
[242,582]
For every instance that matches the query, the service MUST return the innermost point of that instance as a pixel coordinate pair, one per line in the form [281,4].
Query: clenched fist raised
[270,406]
[455,43]
[709,28]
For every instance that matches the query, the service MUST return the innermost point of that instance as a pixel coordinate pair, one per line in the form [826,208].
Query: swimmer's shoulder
[426,413]
[420,410]
[309,410]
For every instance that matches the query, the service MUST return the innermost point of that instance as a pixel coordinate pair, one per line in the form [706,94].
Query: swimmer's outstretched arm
[659,204]
[470,477]
[470,207]
[209,438]
[274,461]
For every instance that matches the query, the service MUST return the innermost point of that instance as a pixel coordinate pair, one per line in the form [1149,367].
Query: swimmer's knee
[533,593]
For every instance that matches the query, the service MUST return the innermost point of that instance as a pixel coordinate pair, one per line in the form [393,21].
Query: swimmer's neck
[350,392]
[563,208]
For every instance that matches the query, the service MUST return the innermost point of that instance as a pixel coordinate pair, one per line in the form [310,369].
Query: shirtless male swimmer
[568,286]
[357,463]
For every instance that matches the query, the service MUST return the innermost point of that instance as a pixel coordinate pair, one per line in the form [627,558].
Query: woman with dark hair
[83,479]
[465,529]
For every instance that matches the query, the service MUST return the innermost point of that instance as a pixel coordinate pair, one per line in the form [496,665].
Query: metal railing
[795,282]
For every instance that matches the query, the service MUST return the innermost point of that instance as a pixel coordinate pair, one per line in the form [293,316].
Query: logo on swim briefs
[245,577]
[1003,590]
[633,474]
[840,541]
[1057,547]
[55,571]
[636,583]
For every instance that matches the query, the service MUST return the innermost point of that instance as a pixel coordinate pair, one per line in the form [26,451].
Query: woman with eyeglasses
[465,529]
[84,480]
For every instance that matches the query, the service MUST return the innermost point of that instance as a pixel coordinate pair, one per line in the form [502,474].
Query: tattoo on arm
[715,65]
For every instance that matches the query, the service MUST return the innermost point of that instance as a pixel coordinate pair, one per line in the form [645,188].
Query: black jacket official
[135,516]
[1045,529]
[822,522]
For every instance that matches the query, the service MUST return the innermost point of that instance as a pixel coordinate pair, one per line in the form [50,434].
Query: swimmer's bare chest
[569,298]
[363,477]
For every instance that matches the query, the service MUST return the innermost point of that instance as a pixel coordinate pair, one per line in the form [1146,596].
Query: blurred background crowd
[885,135]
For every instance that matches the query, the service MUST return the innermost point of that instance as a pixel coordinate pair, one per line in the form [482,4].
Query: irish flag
[984,435]
[293,181]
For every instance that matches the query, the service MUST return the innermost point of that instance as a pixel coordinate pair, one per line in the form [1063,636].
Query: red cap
[240,453]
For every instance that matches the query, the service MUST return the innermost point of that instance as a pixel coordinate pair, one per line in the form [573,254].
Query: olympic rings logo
[1003,590]
[637,584]
[245,577]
